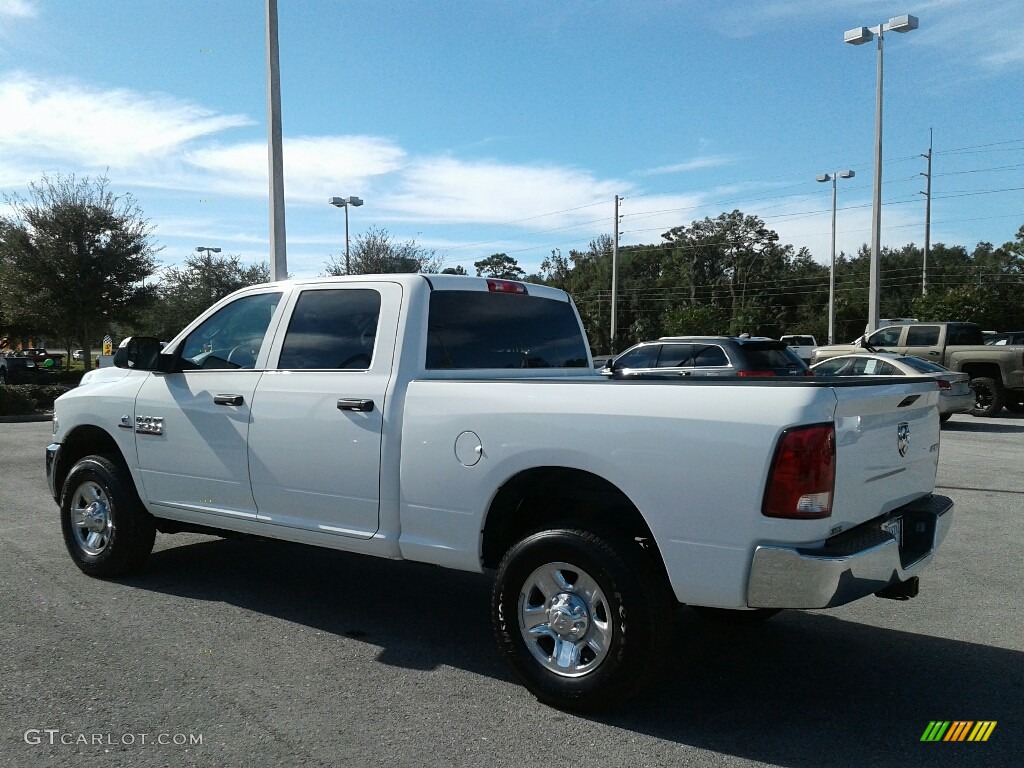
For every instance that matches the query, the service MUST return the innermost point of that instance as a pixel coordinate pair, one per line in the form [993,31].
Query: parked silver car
[672,356]
[955,393]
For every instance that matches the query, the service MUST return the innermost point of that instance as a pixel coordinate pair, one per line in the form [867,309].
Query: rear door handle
[228,399]
[354,404]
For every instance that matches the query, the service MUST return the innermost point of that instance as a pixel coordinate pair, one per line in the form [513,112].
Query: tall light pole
[832,270]
[207,249]
[859,36]
[278,252]
[345,202]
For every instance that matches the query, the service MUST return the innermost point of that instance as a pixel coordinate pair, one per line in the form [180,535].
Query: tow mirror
[138,353]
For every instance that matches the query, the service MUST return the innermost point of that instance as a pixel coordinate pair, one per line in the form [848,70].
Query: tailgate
[887,448]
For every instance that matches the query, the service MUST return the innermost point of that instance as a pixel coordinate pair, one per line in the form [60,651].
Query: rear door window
[675,356]
[922,336]
[486,330]
[332,330]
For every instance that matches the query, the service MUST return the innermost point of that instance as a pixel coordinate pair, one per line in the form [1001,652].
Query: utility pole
[927,217]
[615,273]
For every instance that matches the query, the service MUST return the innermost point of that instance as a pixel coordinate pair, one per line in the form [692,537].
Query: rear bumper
[854,564]
[956,403]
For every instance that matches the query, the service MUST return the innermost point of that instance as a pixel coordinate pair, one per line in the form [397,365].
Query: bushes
[27,399]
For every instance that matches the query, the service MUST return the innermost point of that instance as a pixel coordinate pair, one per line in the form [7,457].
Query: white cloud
[314,167]
[119,128]
[696,164]
[450,190]
[18,9]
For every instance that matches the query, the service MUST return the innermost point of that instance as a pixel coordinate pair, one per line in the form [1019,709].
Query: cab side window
[332,330]
[886,337]
[231,338]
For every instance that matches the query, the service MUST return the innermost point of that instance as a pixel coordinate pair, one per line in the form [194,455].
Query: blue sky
[482,127]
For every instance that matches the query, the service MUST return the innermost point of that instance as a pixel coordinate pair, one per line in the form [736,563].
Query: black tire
[944,417]
[106,529]
[988,396]
[735,618]
[578,657]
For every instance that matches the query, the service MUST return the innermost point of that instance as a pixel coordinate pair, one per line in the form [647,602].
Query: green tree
[500,266]
[184,292]
[456,270]
[78,255]
[376,253]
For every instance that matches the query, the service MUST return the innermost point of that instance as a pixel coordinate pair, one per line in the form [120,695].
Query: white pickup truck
[803,346]
[458,421]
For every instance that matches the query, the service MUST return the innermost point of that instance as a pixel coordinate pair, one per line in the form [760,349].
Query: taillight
[803,475]
[809,372]
[505,286]
[943,384]
[755,373]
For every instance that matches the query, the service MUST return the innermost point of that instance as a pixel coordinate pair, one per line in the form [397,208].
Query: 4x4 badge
[903,437]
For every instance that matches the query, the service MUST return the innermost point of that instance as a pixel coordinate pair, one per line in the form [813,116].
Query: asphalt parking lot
[230,653]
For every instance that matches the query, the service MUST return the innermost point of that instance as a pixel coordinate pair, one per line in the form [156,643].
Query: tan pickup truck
[997,372]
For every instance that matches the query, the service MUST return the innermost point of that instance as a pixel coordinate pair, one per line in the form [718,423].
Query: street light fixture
[859,36]
[832,270]
[345,202]
[208,249]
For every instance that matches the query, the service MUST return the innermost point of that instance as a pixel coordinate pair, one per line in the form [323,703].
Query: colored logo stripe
[935,731]
[982,730]
[958,730]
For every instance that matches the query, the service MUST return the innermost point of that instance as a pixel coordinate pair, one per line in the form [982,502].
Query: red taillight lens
[505,286]
[809,372]
[755,373]
[802,479]
[943,384]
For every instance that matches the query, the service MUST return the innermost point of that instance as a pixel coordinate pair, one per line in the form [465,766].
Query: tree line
[78,262]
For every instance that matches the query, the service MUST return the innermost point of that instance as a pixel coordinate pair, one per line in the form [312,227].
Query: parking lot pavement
[259,653]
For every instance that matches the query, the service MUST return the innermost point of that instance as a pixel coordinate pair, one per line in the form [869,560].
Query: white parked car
[955,393]
[78,354]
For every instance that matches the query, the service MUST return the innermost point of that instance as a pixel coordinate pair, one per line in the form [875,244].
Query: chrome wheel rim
[565,619]
[91,523]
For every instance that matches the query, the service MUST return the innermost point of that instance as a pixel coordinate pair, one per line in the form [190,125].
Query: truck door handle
[228,399]
[354,404]
[934,353]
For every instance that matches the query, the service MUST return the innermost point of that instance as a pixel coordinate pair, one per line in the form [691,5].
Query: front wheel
[988,396]
[106,529]
[583,624]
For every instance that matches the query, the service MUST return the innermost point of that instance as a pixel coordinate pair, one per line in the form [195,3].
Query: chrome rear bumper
[856,563]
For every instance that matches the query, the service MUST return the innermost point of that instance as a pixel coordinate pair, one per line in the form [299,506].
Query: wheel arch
[565,497]
[82,441]
[984,370]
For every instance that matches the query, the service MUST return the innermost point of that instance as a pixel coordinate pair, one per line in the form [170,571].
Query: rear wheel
[988,396]
[583,622]
[106,529]
[944,417]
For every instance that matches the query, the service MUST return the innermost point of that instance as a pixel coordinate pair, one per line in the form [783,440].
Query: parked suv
[708,356]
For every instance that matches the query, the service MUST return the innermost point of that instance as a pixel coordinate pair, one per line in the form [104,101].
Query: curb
[26,418]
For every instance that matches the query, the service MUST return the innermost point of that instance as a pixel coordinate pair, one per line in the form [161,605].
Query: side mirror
[139,353]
